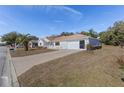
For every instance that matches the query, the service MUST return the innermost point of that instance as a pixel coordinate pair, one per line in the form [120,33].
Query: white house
[77,41]
[2,43]
[33,43]
[43,42]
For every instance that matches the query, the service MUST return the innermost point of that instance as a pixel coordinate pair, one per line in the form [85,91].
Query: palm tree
[24,39]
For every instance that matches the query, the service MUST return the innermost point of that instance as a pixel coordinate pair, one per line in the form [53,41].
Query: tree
[66,33]
[85,33]
[93,33]
[10,38]
[24,39]
[18,38]
[114,35]
[108,37]
[31,37]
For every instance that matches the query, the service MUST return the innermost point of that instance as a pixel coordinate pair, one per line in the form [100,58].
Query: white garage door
[64,45]
[73,44]
[69,45]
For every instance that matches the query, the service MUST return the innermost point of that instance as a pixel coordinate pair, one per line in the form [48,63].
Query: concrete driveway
[23,64]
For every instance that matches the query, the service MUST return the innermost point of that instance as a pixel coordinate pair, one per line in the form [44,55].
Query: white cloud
[64,9]
[71,13]
[68,9]
[56,8]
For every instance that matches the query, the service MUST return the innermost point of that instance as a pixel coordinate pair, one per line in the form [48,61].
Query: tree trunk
[26,46]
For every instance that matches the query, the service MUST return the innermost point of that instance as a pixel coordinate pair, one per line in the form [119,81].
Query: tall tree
[17,38]
[93,33]
[114,34]
[24,39]
[90,32]
[10,38]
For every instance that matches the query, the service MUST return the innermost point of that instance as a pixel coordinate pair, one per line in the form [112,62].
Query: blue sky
[48,20]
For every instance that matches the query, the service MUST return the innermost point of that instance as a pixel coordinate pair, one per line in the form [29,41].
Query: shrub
[98,47]
[89,47]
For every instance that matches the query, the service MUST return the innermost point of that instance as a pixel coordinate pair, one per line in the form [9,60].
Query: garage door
[64,45]
[73,44]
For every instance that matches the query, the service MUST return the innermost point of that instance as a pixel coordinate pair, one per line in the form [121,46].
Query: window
[51,44]
[57,43]
[82,44]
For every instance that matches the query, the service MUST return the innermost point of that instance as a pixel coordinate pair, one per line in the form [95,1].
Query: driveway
[23,64]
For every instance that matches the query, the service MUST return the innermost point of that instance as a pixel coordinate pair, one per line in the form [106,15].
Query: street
[8,76]
[3,52]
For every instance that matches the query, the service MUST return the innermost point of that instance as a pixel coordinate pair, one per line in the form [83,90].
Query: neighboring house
[33,43]
[43,42]
[2,43]
[77,41]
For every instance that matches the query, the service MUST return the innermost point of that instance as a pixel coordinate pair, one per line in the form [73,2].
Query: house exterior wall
[71,44]
[40,43]
[94,42]
[54,45]
[30,44]
[86,43]
[44,43]
[64,45]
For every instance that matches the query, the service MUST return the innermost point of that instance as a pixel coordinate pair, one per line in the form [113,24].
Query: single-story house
[33,43]
[76,41]
[44,42]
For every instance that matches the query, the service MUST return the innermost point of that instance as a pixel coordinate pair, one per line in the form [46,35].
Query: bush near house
[114,35]
[90,47]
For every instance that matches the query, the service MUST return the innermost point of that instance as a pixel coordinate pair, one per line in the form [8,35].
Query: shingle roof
[34,41]
[71,37]
[51,38]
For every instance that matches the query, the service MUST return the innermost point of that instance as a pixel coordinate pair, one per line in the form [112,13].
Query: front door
[82,44]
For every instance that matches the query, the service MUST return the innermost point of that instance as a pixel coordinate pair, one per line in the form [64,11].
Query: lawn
[20,52]
[96,68]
